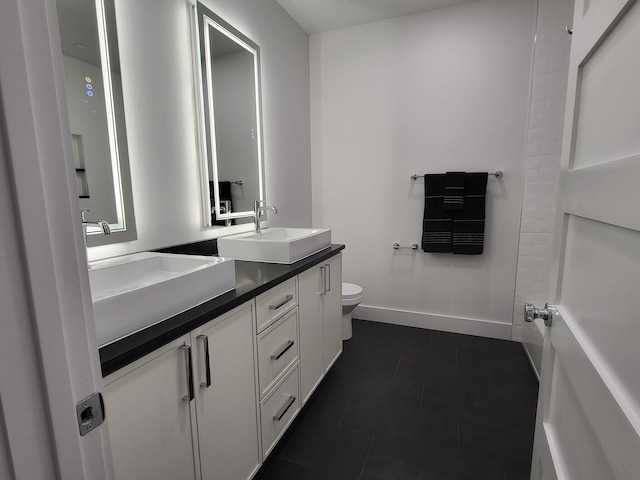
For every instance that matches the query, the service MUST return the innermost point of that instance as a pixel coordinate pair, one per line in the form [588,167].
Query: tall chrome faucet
[258,208]
[103,225]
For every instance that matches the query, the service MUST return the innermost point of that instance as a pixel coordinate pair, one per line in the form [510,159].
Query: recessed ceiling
[316,16]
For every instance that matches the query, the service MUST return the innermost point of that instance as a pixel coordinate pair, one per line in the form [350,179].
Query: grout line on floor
[364,464]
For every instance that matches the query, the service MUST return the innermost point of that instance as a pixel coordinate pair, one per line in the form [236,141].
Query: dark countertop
[252,279]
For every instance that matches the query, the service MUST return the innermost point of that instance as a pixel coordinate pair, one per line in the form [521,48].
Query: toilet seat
[351,291]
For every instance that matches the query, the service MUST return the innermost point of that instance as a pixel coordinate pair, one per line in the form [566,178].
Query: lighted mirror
[232,151]
[93,89]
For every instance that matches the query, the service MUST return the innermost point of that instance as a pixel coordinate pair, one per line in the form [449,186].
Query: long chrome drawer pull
[287,299]
[278,416]
[283,350]
[189,371]
[328,278]
[207,369]
[323,279]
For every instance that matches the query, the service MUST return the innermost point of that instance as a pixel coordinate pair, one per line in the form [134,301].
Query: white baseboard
[469,326]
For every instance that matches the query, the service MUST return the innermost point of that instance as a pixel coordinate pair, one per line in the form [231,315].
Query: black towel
[468,223]
[437,223]
[454,191]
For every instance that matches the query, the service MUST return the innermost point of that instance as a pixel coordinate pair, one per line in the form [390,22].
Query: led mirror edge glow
[256,62]
[202,133]
[120,226]
[212,120]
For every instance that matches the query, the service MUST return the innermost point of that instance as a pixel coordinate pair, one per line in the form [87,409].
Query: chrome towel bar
[397,246]
[497,174]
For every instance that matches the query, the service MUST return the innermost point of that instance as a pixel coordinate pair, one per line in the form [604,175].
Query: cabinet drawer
[279,409]
[277,350]
[274,303]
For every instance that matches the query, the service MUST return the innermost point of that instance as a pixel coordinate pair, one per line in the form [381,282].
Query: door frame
[48,346]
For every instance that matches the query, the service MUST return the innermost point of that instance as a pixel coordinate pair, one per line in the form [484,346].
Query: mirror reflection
[88,39]
[230,72]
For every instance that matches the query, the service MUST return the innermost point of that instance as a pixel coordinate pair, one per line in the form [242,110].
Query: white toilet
[351,296]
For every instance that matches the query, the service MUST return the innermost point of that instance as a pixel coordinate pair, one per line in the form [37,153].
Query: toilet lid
[351,290]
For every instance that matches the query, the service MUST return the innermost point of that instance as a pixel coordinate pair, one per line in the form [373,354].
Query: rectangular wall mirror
[93,89]
[228,65]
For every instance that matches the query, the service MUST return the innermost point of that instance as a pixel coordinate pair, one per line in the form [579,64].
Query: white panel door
[151,417]
[332,312]
[226,398]
[310,288]
[588,420]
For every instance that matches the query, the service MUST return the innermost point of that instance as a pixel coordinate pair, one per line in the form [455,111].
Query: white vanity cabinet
[225,397]
[159,430]
[151,421]
[212,404]
[320,310]
[278,360]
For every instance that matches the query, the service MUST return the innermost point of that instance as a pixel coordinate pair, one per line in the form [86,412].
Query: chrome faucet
[103,225]
[258,208]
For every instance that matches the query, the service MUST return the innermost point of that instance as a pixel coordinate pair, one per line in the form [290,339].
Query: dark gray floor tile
[364,337]
[411,410]
[331,450]
[373,360]
[283,470]
[433,431]
[523,386]
[454,376]
[417,343]
[402,391]
[481,405]
[497,447]
[499,354]
[391,459]
[461,340]
[378,328]
[327,405]
[516,476]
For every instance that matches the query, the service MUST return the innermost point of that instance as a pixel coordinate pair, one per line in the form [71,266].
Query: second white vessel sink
[134,291]
[275,245]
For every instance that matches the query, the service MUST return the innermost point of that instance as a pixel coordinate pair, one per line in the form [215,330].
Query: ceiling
[316,16]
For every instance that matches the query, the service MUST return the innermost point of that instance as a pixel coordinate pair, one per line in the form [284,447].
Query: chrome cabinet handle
[286,299]
[283,350]
[189,371]
[207,370]
[323,279]
[327,278]
[280,413]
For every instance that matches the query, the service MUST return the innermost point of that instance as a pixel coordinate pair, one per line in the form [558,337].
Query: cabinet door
[227,409]
[310,288]
[332,312]
[150,423]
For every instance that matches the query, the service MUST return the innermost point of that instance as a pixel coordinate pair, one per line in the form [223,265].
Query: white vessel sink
[275,245]
[134,291]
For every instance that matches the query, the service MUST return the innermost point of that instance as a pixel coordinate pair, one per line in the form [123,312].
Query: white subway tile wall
[542,168]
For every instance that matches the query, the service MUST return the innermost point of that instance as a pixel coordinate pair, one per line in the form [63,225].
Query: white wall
[155,57]
[542,174]
[426,93]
